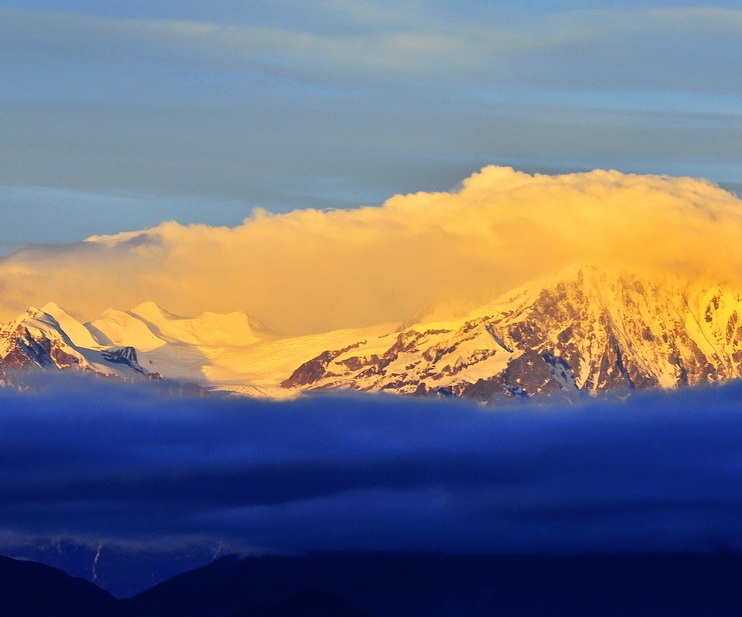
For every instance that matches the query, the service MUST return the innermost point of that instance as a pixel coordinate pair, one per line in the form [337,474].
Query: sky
[119,116]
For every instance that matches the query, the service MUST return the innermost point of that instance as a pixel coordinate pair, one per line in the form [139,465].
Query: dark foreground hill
[29,589]
[391,584]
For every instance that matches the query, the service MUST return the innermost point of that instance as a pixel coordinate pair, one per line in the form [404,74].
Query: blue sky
[117,116]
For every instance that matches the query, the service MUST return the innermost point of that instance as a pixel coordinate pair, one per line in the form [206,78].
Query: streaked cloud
[341,104]
[372,42]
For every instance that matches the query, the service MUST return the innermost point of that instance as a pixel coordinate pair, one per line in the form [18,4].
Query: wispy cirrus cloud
[693,46]
[338,104]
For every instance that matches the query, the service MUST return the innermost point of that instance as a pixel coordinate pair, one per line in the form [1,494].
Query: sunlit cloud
[312,270]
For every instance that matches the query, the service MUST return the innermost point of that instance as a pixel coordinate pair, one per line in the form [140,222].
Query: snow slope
[51,339]
[584,330]
[581,331]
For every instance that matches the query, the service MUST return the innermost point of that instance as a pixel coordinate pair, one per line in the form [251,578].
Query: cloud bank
[312,270]
[114,465]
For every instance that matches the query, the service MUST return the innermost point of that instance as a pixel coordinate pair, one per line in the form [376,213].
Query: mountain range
[584,331]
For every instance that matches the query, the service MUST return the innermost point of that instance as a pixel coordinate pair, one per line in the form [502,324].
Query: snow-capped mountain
[49,338]
[147,342]
[583,331]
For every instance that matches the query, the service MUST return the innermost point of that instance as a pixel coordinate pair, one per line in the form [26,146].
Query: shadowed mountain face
[437,585]
[398,585]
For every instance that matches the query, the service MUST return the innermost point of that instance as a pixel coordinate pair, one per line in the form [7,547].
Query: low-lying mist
[95,462]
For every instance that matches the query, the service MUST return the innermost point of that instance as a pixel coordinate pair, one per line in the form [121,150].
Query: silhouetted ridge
[400,585]
[30,589]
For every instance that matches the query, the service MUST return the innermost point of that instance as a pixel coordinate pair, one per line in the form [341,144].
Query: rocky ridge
[49,339]
[586,332]
[583,332]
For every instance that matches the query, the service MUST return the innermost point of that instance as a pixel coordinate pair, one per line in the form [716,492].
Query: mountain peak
[33,313]
[583,330]
[152,310]
[52,307]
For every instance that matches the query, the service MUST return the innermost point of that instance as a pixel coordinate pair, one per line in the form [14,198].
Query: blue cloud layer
[115,464]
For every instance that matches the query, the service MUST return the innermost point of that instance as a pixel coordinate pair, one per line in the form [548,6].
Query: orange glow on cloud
[313,270]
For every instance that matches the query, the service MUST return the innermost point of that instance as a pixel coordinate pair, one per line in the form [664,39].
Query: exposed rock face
[588,332]
[583,332]
[36,340]
[23,346]
[123,355]
[311,371]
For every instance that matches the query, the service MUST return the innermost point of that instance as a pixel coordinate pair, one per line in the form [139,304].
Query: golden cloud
[312,270]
